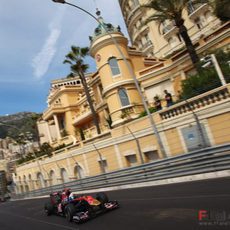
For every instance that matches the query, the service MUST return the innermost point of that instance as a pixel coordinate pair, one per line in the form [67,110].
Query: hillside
[18,123]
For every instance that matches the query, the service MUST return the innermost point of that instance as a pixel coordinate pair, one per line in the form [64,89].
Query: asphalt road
[167,207]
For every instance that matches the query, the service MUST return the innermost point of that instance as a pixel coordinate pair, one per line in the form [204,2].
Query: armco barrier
[207,160]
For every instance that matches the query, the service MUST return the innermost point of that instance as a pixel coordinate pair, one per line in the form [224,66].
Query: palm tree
[75,59]
[172,10]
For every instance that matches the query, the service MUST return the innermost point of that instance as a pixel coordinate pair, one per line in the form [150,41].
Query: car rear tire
[49,208]
[69,212]
[102,197]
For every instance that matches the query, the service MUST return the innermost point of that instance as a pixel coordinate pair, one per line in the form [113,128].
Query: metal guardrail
[206,160]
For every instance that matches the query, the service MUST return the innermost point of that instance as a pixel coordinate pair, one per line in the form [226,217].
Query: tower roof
[103,28]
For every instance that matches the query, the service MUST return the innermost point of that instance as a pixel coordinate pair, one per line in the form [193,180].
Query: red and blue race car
[78,208]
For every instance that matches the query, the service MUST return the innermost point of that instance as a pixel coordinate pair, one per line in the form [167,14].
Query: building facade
[160,41]
[68,119]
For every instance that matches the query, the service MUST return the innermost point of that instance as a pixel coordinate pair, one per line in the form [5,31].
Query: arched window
[26,186]
[24,179]
[64,176]
[40,180]
[31,182]
[52,178]
[79,172]
[123,97]
[114,66]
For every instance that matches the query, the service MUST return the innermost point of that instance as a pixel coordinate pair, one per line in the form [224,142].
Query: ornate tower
[119,89]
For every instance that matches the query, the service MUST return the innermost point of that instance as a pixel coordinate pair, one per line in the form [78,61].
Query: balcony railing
[203,100]
[80,117]
[57,105]
[194,9]
[168,27]
[147,45]
[211,30]
[135,11]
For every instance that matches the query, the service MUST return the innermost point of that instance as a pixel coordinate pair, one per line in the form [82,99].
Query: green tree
[78,67]
[223,57]
[46,149]
[221,8]
[172,10]
[194,85]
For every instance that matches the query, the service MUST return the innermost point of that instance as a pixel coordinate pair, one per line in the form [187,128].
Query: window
[64,176]
[62,123]
[40,180]
[103,165]
[100,88]
[114,66]
[123,97]
[79,172]
[151,155]
[146,37]
[52,178]
[131,160]
[198,23]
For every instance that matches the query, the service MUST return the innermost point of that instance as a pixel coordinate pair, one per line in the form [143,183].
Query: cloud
[43,59]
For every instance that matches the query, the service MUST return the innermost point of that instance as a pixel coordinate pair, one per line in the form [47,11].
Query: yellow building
[162,41]
[68,119]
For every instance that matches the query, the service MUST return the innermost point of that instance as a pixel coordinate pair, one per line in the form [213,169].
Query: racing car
[78,208]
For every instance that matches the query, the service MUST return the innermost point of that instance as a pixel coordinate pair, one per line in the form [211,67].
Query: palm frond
[67,62]
[157,17]
[75,68]
[71,56]
[76,50]
[71,75]
[84,51]
[76,59]
[85,67]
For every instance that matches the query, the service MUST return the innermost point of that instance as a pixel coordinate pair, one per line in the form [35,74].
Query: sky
[35,36]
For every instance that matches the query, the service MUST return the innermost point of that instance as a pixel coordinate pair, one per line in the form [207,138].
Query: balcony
[134,12]
[194,10]
[53,109]
[147,46]
[141,29]
[82,117]
[212,97]
[169,29]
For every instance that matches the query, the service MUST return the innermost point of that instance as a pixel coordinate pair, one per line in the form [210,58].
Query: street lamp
[153,125]
[59,1]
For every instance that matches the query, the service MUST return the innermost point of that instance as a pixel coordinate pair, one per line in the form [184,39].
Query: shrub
[144,113]
[204,81]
